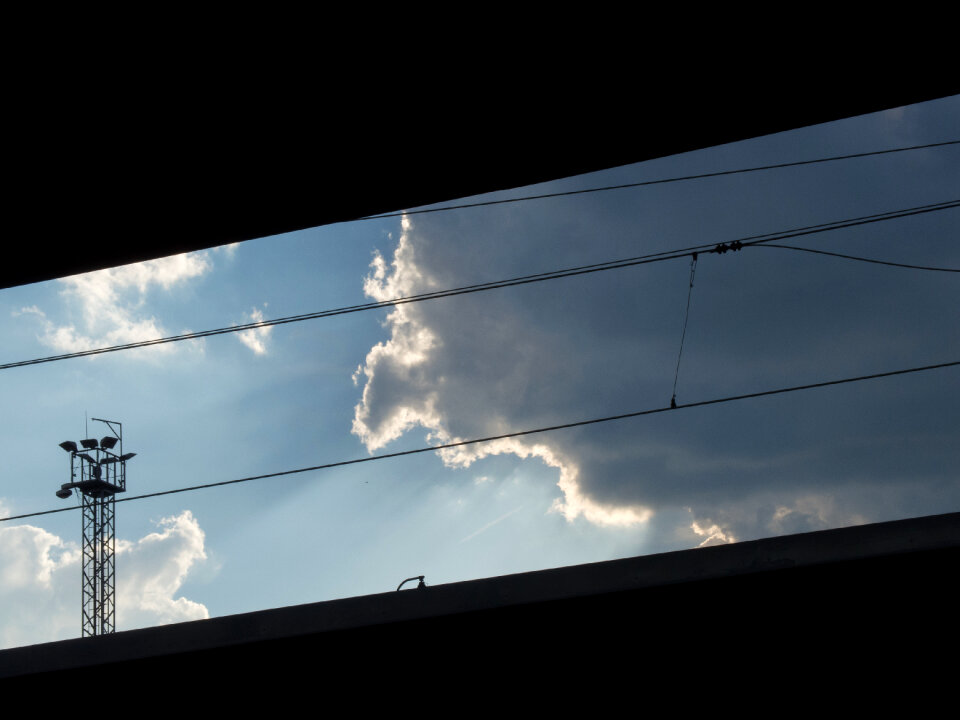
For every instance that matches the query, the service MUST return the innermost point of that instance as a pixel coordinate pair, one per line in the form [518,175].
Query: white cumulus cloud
[151,571]
[108,307]
[40,577]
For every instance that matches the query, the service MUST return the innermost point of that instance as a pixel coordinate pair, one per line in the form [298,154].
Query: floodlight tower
[102,474]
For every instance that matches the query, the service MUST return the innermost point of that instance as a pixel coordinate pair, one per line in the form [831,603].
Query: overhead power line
[519,433]
[661,181]
[683,335]
[510,282]
[863,259]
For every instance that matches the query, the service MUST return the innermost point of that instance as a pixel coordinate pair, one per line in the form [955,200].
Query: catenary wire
[683,335]
[520,433]
[863,259]
[661,181]
[497,284]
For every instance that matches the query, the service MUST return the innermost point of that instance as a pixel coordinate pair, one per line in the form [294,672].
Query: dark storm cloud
[607,343]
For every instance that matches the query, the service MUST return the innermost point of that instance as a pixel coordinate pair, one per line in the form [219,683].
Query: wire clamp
[724,247]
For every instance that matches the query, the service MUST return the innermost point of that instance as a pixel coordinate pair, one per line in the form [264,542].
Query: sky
[477,365]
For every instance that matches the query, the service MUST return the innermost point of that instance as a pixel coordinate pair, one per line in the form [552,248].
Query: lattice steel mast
[102,474]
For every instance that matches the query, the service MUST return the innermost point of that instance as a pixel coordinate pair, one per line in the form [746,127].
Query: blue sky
[319,391]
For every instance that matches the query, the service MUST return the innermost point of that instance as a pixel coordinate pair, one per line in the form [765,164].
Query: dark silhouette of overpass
[715,625]
[771,612]
[147,174]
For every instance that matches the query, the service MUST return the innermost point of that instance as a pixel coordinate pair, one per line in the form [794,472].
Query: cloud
[152,570]
[540,355]
[31,310]
[255,338]
[766,514]
[40,576]
[409,382]
[230,249]
[712,535]
[108,306]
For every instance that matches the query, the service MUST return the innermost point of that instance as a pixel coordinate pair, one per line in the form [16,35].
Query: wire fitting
[420,586]
[724,247]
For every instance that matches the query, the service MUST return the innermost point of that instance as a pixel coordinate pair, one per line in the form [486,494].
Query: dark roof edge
[938,532]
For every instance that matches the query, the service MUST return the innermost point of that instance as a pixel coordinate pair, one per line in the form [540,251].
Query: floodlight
[69,446]
[64,492]
[90,444]
[108,460]
[127,456]
[87,458]
[108,442]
